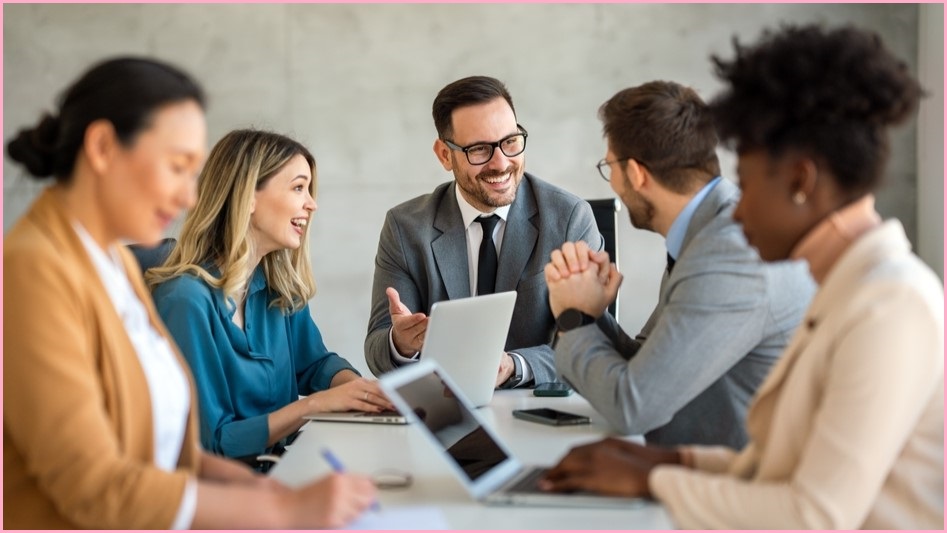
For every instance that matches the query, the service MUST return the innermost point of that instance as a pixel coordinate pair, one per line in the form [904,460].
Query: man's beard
[476,189]
[641,212]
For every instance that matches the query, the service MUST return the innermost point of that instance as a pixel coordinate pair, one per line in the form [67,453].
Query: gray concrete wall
[930,147]
[355,83]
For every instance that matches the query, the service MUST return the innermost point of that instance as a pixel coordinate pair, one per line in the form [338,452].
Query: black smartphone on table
[552,389]
[551,417]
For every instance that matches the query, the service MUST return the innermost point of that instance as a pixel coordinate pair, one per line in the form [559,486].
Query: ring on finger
[366,396]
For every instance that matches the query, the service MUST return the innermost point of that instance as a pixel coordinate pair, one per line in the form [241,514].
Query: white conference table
[368,448]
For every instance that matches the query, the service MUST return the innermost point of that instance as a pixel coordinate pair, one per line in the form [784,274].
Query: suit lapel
[450,247]
[519,238]
[779,372]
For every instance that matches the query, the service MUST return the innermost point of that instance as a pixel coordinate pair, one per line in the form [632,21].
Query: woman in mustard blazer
[100,423]
[847,430]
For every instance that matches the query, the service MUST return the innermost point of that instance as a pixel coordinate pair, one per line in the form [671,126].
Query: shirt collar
[108,265]
[469,212]
[257,280]
[824,244]
[678,229]
[103,259]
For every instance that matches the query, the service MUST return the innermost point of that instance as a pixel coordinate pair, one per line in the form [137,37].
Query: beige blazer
[78,445]
[847,431]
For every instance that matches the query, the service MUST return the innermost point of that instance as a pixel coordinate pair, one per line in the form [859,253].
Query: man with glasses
[489,230]
[722,317]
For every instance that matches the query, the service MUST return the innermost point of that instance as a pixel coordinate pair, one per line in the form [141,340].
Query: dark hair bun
[125,91]
[36,148]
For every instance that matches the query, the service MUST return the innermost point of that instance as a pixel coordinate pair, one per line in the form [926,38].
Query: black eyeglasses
[605,167]
[480,153]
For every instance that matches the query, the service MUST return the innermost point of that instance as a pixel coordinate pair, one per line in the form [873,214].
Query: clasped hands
[583,279]
[408,330]
[580,278]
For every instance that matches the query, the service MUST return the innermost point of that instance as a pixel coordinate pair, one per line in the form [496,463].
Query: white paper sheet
[413,518]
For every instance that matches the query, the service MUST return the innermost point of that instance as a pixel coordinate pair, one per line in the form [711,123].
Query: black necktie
[671,262]
[487,264]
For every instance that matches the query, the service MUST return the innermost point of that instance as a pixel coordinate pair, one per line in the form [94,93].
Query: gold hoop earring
[799,198]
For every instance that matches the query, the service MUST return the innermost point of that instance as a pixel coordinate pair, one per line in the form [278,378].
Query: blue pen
[337,466]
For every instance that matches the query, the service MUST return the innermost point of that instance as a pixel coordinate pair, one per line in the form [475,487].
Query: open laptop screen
[453,425]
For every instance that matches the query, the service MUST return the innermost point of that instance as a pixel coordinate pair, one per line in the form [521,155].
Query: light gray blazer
[722,319]
[422,252]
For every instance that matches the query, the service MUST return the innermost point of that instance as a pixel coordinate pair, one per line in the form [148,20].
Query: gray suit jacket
[422,252]
[722,319]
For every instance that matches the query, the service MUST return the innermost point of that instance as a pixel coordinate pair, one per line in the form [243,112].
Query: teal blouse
[243,375]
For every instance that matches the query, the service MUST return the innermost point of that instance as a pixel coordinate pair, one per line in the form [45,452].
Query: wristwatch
[516,376]
[571,319]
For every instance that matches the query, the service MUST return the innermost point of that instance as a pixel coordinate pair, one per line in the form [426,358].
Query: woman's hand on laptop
[652,454]
[606,467]
[407,328]
[358,394]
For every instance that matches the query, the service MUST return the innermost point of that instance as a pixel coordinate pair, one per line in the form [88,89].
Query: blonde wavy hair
[216,229]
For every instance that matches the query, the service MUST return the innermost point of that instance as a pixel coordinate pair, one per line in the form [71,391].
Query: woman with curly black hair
[847,430]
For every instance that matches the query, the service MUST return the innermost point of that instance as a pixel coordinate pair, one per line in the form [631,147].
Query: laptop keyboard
[528,482]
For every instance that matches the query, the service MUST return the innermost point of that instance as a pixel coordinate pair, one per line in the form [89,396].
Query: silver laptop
[466,337]
[478,458]
[385,417]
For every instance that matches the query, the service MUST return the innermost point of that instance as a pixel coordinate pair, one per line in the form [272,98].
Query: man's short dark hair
[464,92]
[665,127]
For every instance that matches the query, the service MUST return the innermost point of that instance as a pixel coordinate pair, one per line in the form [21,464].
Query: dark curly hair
[829,93]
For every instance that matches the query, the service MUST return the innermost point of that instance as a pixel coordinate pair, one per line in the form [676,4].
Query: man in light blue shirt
[722,316]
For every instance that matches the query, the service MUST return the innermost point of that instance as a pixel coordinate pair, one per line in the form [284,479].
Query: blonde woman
[234,294]
[99,416]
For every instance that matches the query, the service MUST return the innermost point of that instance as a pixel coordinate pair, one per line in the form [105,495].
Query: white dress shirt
[167,383]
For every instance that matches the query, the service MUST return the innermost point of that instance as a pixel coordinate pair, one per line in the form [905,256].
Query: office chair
[149,257]
[605,212]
